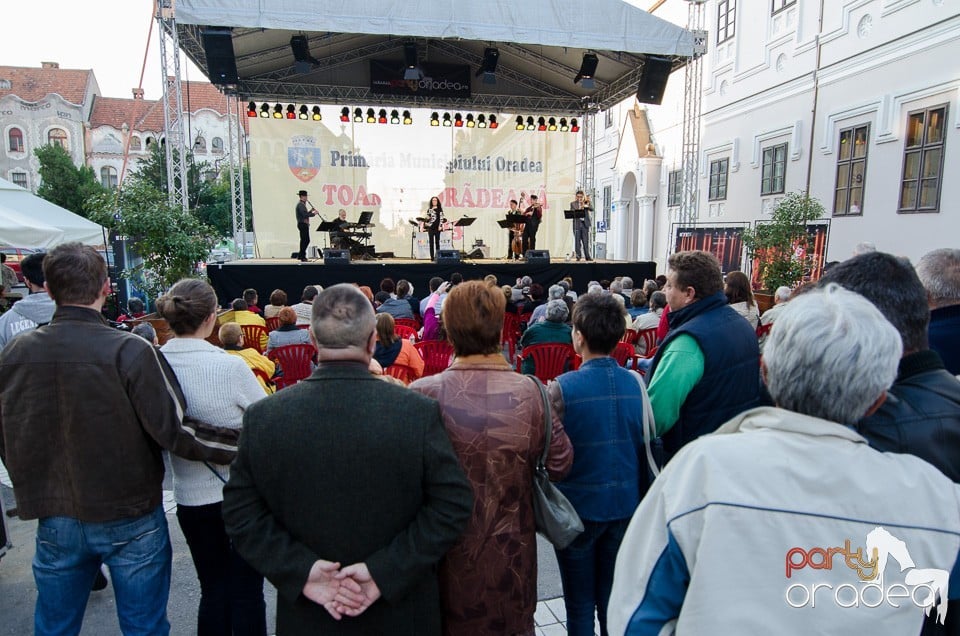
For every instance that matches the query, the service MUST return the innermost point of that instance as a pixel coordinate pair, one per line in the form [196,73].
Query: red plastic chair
[649,337]
[409,322]
[405,331]
[550,359]
[630,336]
[273,323]
[400,371]
[622,353]
[436,355]
[764,330]
[510,335]
[255,337]
[294,361]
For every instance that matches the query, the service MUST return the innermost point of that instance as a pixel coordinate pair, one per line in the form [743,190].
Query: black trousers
[304,229]
[434,236]
[530,237]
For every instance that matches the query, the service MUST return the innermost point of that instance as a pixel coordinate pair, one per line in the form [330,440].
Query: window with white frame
[719,169]
[726,20]
[607,205]
[851,171]
[780,5]
[673,188]
[108,177]
[216,145]
[135,143]
[608,118]
[200,145]
[923,160]
[58,137]
[15,140]
[774,171]
[19,178]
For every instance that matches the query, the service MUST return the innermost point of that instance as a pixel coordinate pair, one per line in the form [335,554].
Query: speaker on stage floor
[448,256]
[218,49]
[335,256]
[538,257]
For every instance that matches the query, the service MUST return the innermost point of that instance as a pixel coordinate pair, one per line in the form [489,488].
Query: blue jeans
[68,556]
[586,571]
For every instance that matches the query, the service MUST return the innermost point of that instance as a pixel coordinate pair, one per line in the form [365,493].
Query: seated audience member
[278,300]
[616,287]
[626,284]
[405,292]
[34,310]
[780,297]
[379,298]
[523,283]
[569,285]
[638,304]
[740,297]
[594,288]
[135,310]
[146,331]
[569,296]
[431,315]
[650,286]
[392,349]
[511,306]
[251,298]
[387,285]
[231,339]
[649,320]
[491,279]
[243,316]
[553,328]
[397,307]
[366,291]
[661,281]
[288,332]
[304,307]
[706,548]
[433,285]
[939,271]
[627,320]
[555,292]
[708,368]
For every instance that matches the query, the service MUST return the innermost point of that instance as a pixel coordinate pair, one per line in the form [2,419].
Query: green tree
[63,183]
[780,247]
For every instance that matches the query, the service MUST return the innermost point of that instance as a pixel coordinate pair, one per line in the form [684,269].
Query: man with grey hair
[555,292]
[781,296]
[939,271]
[347,489]
[716,550]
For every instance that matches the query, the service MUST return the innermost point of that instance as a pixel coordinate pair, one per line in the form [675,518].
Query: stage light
[316,114]
[371,116]
[303,62]
[520,125]
[357,116]
[435,119]
[530,124]
[563,125]
[458,121]
[493,121]
[394,117]
[587,69]
[574,127]
[446,120]
[265,110]
[551,124]
[411,72]
[251,110]
[481,121]
[304,114]
[291,111]
[344,114]
[488,66]
[470,122]
[382,118]
[278,112]
[541,124]
[407,119]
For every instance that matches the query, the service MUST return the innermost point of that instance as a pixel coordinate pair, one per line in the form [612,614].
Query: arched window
[150,141]
[217,145]
[15,140]
[108,176]
[58,136]
[200,145]
[135,143]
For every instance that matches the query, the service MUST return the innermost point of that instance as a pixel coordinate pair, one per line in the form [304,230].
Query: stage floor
[231,278]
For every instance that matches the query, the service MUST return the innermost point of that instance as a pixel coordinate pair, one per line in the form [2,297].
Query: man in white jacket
[785,520]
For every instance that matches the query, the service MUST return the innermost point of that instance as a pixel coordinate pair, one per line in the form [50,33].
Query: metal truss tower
[174,140]
[236,149]
[692,95]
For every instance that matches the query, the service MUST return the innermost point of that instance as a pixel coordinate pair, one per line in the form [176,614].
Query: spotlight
[278,112]
[303,62]
[541,124]
[587,69]
[382,118]
[371,116]
[394,117]
[251,110]
[316,114]
[458,121]
[304,114]
[493,121]
[344,114]
[357,115]
[446,120]
[265,110]
[470,122]
[488,66]
[435,119]
[563,125]
[574,126]
[551,124]
[407,119]
[520,125]
[530,124]
[411,72]
[481,121]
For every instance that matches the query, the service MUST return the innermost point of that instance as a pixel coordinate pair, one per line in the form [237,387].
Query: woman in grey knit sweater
[218,388]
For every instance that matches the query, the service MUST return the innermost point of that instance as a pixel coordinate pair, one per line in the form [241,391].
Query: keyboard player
[338,236]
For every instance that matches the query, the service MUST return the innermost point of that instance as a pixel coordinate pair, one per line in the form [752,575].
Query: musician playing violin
[534,214]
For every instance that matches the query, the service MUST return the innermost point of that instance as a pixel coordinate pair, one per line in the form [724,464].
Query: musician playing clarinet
[303,224]
[434,219]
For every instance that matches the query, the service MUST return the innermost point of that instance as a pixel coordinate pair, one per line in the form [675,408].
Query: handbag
[555,516]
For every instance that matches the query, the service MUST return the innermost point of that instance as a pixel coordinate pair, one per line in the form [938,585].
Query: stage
[231,278]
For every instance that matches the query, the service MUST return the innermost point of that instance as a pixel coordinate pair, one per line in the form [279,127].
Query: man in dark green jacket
[346,489]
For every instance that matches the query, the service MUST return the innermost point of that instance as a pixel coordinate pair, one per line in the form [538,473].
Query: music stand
[575,214]
[466,221]
[365,218]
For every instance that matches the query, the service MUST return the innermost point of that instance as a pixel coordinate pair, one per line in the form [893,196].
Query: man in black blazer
[346,489]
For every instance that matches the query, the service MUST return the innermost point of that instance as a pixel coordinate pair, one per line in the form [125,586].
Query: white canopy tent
[26,220]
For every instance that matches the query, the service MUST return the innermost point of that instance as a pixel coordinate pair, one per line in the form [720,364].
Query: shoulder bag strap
[547,423]
[649,425]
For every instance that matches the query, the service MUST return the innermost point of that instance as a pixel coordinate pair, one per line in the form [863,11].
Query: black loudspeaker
[336,257]
[476,254]
[218,49]
[448,256]
[538,257]
[653,80]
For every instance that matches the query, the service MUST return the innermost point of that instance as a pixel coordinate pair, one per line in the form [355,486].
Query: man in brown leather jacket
[85,410]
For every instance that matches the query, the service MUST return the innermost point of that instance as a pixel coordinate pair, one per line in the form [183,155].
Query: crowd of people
[377,504]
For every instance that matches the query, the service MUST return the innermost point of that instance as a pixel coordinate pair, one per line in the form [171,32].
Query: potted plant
[779,248]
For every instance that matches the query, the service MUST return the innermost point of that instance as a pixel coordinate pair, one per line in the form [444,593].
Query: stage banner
[724,242]
[393,171]
[436,80]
